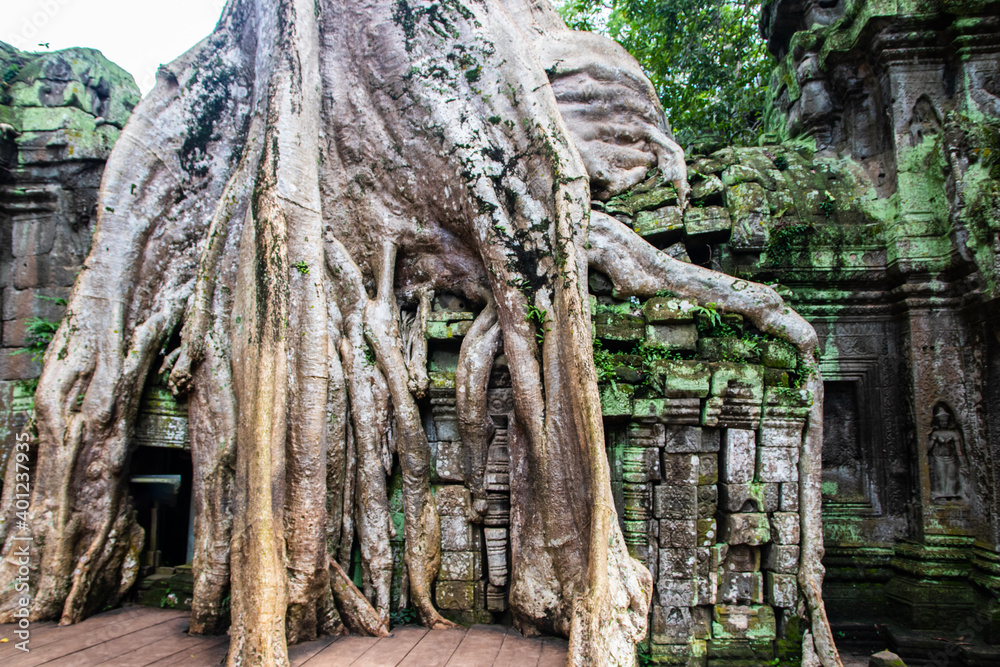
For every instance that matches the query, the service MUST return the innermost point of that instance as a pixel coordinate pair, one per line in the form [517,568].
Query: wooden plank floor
[139,636]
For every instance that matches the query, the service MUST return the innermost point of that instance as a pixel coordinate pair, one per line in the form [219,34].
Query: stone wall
[60,115]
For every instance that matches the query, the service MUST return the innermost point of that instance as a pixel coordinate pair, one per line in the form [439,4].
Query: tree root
[362,618]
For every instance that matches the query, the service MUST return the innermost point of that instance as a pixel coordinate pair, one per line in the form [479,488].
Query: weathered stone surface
[741,588]
[619,327]
[449,460]
[677,563]
[777,464]
[671,625]
[886,659]
[707,188]
[746,528]
[776,354]
[617,400]
[782,590]
[789,497]
[675,593]
[749,210]
[457,534]
[672,337]
[682,440]
[457,595]
[660,225]
[743,622]
[678,533]
[680,469]
[675,501]
[785,527]
[664,309]
[708,222]
[681,378]
[460,566]
[781,558]
[738,456]
[453,500]
[708,469]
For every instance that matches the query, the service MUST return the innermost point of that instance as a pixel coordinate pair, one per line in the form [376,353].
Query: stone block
[777,464]
[672,337]
[619,327]
[786,435]
[781,558]
[749,210]
[651,199]
[33,237]
[709,187]
[789,501]
[707,532]
[616,400]
[707,222]
[675,593]
[645,434]
[777,354]
[680,469]
[678,533]
[659,310]
[677,563]
[660,225]
[15,332]
[708,501]
[449,460]
[742,558]
[681,378]
[34,302]
[447,330]
[738,380]
[460,566]
[743,622]
[671,625]
[785,527]
[18,366]
[691,654]
[734,497]
[746,528]
[711,439]
[738,456]
[453,500]
[708,469]
[671,410]
[739,173]
[776,377]
[682,440]
[885,659]
[674,501]
[782,590]
[741,587]
[457,534]
[456,595]
[707,589]
[727,348]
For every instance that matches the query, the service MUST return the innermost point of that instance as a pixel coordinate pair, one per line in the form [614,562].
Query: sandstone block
[777,464]
[679,469]
[743,622]
[785,527]
[678,533]
[672,336]
[672,501]
[671,625]
[782,590]
[749,528]
[738,456]
[677,564]
[741,588]
[781,558]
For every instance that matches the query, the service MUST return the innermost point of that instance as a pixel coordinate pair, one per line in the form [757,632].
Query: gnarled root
[361,617]
[637,268]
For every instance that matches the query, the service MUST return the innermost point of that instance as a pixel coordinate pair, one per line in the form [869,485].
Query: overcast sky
[138,35]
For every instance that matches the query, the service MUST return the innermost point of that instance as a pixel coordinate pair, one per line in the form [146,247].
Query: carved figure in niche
[946,456]
[924,122]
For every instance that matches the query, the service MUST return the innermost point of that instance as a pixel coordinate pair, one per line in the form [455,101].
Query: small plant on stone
[402,616]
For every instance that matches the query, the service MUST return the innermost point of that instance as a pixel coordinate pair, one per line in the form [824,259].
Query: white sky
[138,35]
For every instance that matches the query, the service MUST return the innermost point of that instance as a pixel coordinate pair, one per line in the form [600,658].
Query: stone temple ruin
[872,202]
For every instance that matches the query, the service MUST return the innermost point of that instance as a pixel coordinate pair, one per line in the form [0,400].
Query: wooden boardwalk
[134,636]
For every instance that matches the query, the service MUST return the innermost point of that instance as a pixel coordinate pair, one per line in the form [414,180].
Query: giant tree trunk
[292,183]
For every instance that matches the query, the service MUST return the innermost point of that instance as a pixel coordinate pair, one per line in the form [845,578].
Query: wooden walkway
[134,636]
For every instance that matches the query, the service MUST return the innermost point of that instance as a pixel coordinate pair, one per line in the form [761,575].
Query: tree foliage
[705,57]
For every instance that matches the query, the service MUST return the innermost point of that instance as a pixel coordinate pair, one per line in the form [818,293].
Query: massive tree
[288,198]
